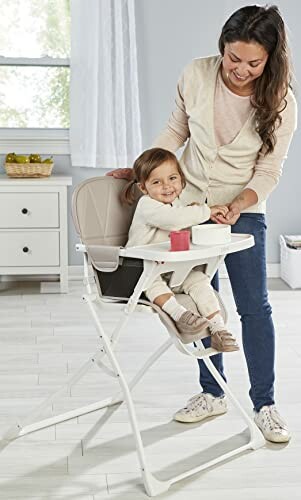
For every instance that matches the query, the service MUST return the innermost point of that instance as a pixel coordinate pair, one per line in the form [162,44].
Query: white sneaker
[271,425]
[201,406]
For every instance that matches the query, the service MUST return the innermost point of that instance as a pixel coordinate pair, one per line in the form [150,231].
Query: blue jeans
[247,274]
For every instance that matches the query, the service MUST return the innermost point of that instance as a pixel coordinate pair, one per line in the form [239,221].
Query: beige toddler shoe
[192,327]
[224,341]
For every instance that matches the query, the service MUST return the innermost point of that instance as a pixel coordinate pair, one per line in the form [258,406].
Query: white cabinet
[33,227]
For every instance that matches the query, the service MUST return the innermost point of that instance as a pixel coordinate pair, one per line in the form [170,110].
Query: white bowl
[211,234]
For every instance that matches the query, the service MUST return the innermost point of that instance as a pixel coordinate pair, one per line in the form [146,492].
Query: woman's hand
[219,210]
[121,173]
[231,217]
[244,200]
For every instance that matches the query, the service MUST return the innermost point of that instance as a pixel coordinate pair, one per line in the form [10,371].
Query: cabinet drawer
[27,249]
[29,210]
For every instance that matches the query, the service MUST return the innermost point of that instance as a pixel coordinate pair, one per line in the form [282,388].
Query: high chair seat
[112,274]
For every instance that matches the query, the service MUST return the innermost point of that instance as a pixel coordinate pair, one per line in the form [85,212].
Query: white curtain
[105,128]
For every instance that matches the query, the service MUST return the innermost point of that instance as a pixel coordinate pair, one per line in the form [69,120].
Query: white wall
[169,34]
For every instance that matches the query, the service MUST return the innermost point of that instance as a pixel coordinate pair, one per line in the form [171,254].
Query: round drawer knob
[25,249]
[24,211]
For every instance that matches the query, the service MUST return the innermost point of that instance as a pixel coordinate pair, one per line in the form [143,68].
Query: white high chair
[122,274]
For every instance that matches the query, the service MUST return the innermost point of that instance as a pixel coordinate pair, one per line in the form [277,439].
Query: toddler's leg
[198,287]
[191,326]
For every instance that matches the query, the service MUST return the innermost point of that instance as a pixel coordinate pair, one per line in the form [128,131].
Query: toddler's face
[164,183]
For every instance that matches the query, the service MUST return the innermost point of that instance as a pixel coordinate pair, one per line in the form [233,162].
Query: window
[34,68]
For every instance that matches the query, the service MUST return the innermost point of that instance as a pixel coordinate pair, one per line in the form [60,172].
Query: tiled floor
[44,338]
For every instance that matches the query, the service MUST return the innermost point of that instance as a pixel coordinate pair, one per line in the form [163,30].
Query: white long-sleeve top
[153,220]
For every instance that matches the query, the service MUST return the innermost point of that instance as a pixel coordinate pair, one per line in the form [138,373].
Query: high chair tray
[161,251]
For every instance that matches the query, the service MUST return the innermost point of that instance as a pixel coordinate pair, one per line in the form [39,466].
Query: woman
[239,115]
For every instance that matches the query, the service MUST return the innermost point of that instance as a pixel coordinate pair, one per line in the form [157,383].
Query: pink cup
[179,240]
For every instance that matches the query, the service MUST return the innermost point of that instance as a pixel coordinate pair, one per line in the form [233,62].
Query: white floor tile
[92,457]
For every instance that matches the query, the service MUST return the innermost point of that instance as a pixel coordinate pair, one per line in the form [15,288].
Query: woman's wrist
[244,200]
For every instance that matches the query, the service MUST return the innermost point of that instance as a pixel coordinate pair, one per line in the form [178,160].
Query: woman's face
[242,64]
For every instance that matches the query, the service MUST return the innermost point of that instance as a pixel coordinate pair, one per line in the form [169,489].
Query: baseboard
[273,271]
[76,273]
[29,277]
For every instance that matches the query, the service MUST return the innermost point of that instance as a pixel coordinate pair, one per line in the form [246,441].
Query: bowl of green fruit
[28,166]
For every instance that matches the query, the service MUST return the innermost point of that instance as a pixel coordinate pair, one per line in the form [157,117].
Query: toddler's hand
[219,210]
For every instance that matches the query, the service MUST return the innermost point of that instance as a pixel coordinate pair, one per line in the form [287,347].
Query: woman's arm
[244,200]
[268,168]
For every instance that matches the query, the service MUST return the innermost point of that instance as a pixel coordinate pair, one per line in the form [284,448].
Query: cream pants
[196,285]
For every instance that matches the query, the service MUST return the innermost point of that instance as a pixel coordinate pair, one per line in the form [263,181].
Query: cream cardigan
[219,174]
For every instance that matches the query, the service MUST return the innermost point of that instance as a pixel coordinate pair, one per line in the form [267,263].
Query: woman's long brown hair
[264,25]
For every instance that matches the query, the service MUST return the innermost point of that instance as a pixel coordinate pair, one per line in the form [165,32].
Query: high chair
[121,275]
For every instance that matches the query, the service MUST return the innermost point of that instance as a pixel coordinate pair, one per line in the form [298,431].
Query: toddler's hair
[142,168]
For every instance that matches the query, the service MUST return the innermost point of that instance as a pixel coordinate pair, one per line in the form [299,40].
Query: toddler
[158,175]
